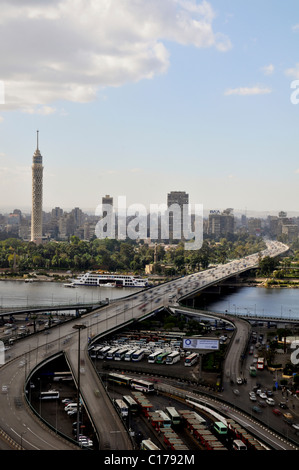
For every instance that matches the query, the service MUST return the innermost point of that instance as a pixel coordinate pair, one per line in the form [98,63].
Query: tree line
[121,255]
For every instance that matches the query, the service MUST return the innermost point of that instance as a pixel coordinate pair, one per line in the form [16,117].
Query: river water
[21,294]
[258,301]
[251,301]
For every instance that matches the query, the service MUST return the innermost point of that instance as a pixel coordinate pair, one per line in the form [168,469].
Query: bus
[142,385]
[220,427]
[93,351]
[129,354]
[103,352]
[121,407]
[50,395]
[166,419]
[62,376]
[239,445]
[147,444]
[191,359]
[138,355]
[153,356]
[161,359]
[131,403]
[111,353]
[120,354]
[173,415]
[173,357]
[260,363]
[120,379]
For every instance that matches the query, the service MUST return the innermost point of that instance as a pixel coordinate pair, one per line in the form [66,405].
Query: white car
[270,401]
[263,395]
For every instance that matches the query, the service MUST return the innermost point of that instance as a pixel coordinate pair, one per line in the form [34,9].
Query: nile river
[22,294]
[251,301]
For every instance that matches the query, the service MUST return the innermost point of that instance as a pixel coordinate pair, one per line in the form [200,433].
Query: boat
[110,280]
[69,284]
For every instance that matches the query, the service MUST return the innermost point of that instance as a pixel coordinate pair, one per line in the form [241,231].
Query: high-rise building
[37,197]
[176,199]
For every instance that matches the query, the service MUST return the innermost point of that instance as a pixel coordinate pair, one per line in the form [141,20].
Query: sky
[137,98]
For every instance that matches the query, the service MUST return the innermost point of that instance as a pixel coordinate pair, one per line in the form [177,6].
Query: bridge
[17,420]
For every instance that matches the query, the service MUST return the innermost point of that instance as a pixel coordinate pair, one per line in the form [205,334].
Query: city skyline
[138,102]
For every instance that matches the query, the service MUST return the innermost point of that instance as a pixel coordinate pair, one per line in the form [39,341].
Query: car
[239,380]
[288,416]
[269,393]
[262,403]
[283,405]
[276,411]
[270,401]
[252,397]
[256,409]
[263,395]
[296,426]
[236,391]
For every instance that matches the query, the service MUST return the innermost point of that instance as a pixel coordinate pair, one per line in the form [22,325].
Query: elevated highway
[17,420]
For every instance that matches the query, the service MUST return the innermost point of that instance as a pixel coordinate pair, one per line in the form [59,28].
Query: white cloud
[293,72]
[248,91]
[268,69]
[295,27]
[70,49]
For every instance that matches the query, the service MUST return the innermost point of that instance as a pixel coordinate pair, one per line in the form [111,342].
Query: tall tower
[37,196]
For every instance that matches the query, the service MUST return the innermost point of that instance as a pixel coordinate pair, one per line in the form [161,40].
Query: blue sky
[138,98]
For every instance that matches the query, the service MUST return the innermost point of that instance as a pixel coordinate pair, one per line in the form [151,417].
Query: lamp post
[78,327]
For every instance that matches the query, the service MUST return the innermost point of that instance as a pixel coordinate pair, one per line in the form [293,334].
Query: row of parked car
[70,407]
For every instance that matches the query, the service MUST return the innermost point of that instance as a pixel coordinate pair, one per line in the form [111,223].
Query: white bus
[138,355]
[50,395]
[191,359]
[142,385]
[103,352]
[166,419]
[129,354]
[111,353]
[153,356]
[173,357]
[94,351]
[147,444]
[121,407]
[120,354]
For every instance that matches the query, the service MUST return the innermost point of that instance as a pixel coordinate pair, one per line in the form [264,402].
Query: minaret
[37,196]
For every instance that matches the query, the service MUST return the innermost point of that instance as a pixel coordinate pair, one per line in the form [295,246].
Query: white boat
[69,284]
[110,280]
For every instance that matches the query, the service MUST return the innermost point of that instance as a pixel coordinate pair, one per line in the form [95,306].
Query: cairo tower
[37,196]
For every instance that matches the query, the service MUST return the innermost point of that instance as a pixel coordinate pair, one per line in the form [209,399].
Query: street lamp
[78,327]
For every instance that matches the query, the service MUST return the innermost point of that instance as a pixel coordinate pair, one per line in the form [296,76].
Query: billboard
[201,343]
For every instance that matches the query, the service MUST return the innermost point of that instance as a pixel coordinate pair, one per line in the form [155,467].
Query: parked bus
[111,353]
[191,359]
[220,427]
[103,352]
[166,419]
[62,376]
[129,354]
[161,359]
[93,352]
[147,444]
[120,354]
[131,403]
[138,355]
[239,445]
[173,357]
[173,415]
[50,395]
[121,407]
[153,356]
[142,385]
